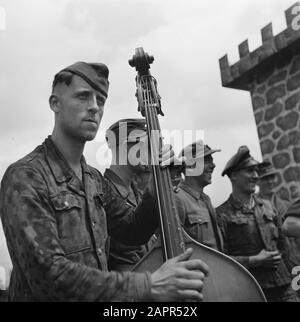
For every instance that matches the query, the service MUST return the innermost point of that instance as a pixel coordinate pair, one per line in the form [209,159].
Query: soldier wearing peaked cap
[251,230]
[266,169]
[128,179]
[57,212]
[194,206]
[267,183]
[239,161]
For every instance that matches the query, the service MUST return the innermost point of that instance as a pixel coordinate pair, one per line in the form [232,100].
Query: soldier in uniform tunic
[194,206]
[268,177]
[251,229]
[57,212]
[129,181]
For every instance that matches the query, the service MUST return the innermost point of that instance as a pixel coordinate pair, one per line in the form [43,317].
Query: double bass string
[161,176]
[154,142]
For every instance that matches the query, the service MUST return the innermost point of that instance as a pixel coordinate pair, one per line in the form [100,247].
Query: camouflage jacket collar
[238,205]
[120,185]
[58,164]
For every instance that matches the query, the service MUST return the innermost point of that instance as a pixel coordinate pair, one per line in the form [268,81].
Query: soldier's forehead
[77,84]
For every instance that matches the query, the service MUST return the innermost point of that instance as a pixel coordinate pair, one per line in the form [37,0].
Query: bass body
[228,280]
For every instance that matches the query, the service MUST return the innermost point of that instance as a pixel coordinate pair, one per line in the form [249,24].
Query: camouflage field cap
[126,130]
[241,160]
[95,74]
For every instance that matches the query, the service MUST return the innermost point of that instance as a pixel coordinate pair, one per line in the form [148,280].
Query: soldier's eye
[100,101]
[82,96]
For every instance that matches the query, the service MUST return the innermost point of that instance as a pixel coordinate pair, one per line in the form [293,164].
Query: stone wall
[271,74]
[275,97]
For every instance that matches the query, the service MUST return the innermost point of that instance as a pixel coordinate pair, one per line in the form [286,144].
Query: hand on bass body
[179,279]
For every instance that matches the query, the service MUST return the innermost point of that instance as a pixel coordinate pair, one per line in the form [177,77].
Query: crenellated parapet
[240,74]
[271,74]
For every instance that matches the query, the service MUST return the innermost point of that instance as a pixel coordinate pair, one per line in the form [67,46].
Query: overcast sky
[186,37]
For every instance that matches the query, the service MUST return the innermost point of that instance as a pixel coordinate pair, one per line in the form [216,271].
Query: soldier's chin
[208,177]
[90,136]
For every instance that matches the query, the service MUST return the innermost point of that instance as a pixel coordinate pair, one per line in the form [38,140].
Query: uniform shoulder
[95,172]
[224,207]
[29,163]
[183,198]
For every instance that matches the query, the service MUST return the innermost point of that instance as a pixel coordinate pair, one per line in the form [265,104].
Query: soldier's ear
[54,103]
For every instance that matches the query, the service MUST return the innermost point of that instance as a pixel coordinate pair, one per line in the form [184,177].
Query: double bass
[228,281]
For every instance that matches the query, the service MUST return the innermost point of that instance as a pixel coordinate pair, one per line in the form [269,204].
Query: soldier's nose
[93,106]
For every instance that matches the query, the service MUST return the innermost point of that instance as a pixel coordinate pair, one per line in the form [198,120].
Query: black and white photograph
[150,152]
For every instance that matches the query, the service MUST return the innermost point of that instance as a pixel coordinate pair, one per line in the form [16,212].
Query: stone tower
[271,74]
